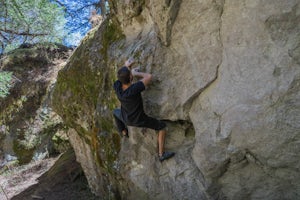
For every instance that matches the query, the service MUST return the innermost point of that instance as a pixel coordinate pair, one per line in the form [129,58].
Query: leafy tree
[30,21]
[5,79]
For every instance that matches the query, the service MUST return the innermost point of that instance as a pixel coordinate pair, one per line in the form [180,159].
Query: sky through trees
[33,21]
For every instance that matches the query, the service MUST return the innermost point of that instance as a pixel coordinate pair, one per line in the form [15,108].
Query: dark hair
[124,75]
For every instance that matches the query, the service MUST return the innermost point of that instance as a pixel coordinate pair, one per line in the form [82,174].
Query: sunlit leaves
[30,21]
[5,79]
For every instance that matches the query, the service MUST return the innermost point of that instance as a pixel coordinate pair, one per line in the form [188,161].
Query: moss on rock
[84,97]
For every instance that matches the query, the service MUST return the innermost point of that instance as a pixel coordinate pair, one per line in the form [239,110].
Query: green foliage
[5,80]
[29,21]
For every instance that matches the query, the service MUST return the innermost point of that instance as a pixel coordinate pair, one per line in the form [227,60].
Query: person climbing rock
[132,111]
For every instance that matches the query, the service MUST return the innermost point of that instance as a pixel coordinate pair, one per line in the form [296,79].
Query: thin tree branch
[23,33]
[4,192]
[2,48]
[5,19]
[61,4]
[101,5]
[5,38]
[85,6]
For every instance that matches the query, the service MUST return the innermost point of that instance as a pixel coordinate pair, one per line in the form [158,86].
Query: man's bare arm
[146,77]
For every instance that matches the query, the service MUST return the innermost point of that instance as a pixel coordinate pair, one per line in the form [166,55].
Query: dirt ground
[58,178]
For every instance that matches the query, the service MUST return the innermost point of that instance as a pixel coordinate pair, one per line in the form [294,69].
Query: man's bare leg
[125,133]
[161,149]
[161,141]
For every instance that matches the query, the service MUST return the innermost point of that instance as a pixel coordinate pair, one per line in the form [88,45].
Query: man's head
[124,75]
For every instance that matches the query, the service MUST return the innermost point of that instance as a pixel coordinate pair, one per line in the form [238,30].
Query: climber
[132,111]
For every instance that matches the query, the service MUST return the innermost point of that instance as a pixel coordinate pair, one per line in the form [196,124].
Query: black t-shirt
[132,110]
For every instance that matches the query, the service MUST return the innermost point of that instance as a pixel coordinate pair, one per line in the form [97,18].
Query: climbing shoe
[166,155]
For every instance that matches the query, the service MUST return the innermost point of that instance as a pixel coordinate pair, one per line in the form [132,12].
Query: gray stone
[226,81]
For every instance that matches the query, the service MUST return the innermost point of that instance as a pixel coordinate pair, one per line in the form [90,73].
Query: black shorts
[145,122]
[152,123]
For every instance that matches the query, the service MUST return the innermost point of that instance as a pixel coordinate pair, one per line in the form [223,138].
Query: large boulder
[226,82]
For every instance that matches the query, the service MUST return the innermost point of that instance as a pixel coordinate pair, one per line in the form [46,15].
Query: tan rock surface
[226,81]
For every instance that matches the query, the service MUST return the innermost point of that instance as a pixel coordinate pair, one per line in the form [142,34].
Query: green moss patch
[84,97]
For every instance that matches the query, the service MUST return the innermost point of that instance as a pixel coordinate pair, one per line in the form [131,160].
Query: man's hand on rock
[129,62]
[135,71]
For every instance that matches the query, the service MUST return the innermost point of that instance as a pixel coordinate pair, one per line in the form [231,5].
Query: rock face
[226,81]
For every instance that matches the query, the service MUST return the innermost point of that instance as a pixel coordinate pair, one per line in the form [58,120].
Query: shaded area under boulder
[64,180]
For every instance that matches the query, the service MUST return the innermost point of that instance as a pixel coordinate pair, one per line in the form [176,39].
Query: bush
[5,83]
